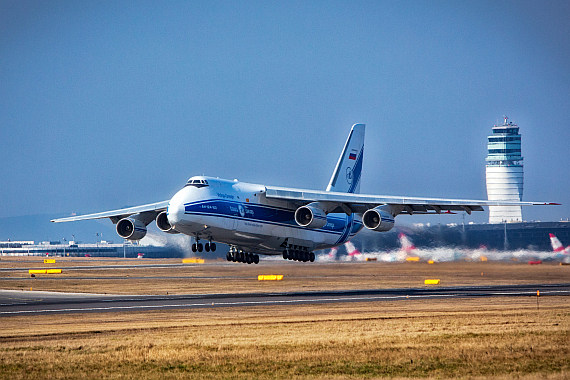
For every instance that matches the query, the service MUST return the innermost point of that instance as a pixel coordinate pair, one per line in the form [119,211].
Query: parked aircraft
[257,219]
[351,249]
[558,248]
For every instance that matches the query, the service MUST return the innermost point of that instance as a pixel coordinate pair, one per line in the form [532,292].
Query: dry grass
[239,278]
[443,339]
[459,338]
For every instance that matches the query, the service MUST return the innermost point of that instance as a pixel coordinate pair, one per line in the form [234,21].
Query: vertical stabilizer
[346,175]
[351,249]
[406,244]
[557,245]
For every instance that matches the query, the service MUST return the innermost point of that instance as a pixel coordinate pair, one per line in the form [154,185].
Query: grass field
[460,338]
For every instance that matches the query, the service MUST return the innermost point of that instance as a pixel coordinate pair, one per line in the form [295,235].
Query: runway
[13,302]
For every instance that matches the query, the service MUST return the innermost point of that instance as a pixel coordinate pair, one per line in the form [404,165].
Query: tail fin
[346,175]
[556,244]
[332,253]
[351,249]
[406,243]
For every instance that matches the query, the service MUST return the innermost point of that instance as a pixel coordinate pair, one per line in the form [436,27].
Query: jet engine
[131,229]
[310,216]
[163,224]
[377,219]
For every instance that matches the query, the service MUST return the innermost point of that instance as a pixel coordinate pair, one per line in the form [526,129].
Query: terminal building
[127,249]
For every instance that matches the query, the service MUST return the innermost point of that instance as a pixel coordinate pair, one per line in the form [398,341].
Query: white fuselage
[239,214]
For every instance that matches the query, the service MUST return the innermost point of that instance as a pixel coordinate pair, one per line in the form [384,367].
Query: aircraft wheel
[213,247]
[240,257]
[200,247]
[194,249]
[285,255]
[207,247]
[256,259]
[305,257]
[248,258]
[312,257]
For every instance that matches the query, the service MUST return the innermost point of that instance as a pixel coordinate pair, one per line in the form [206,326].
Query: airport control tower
[505,172]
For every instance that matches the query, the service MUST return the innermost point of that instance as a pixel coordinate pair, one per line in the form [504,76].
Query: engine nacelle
[377,219]
[131,229]
[163,224]
[310,216]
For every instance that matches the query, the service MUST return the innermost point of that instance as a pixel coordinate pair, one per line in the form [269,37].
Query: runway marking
[270,302]
[237,303]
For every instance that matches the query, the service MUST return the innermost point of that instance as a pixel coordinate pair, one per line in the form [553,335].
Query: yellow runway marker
[270,277]
[193,260]
[45,271]
[49,261]
[432,281]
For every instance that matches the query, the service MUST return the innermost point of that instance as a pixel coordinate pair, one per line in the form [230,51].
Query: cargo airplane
[257,219]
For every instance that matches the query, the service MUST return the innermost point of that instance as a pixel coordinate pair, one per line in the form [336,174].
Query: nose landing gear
[198,247]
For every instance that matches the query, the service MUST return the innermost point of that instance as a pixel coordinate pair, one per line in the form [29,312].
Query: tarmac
[17,302]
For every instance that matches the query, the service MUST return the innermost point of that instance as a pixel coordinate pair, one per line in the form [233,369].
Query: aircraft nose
[175,209]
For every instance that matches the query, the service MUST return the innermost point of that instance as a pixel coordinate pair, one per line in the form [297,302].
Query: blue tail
[346,175]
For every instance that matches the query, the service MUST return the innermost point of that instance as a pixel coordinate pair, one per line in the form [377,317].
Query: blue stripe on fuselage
[262,214]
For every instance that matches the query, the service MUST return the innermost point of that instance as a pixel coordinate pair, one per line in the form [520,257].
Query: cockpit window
[197,183]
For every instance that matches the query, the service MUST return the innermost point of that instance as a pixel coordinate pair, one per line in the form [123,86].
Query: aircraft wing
[148,211]
[348,202]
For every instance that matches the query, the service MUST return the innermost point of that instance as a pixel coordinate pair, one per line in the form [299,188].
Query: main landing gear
[297,253]
[209,247]
[237,255]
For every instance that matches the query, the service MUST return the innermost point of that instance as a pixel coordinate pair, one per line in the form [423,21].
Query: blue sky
[110,104]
